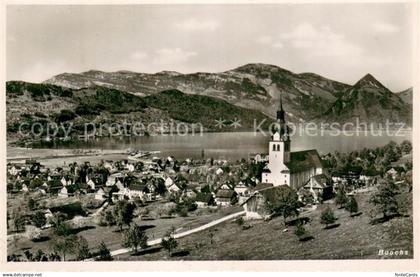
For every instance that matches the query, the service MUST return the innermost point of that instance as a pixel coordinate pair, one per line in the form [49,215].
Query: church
[284,167]
[302,170]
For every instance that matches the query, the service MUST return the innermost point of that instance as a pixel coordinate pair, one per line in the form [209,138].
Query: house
[67,191]
[337,177]
[369,177]
[224,197]
[258,158]
[110,166]
[63,193]
[204,200]
[184,168]
[320,186]
[42,191]
[24,188]
[110,191]
[44,186]
[241,189]
[48,214]
[189,193]
[118,195]
[168,182]
[91,183]
[255,206]
[170,160]
[14,170]
[66,181]
[119,184]
[112,179]
[173,188]
[219,171]
[395,172]
[100,194]
[136,189]
[130,167]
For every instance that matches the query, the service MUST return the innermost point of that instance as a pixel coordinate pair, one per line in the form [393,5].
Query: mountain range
[252,89]
[306,96]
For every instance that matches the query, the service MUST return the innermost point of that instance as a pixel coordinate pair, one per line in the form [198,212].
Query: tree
[160,187]
[352,206]
[31,204]
[168,242]
[40,256]
[283,201]
[109,218]
[300,230]
[28,255]
[104,254]
[386,199]
[39,219]
[62,229]
[123,213]
[327,217]
[82,249]
[406,146]
[341,197]
[135,237]
[211,237]
[18,222]
[9,187]
[65,245]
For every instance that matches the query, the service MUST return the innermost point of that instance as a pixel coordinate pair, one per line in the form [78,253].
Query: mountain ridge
[256,86]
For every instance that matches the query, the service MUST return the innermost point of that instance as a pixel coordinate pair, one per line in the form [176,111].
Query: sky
[342,42]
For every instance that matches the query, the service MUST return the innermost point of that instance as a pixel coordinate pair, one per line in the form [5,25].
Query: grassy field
[94,234]
[354,238]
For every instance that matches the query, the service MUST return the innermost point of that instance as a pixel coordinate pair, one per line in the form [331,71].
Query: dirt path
[183,234]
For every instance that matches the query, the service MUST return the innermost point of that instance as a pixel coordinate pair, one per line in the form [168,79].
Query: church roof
[303,160]
[262,186]
[266,169]
[321,181]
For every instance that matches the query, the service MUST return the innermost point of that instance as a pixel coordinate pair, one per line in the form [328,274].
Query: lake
[231,146]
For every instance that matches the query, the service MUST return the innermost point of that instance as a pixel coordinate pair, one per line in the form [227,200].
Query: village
[171,194]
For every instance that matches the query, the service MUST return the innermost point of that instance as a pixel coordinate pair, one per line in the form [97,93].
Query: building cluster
[207,182]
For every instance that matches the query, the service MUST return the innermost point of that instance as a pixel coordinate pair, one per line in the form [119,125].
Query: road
[183,234]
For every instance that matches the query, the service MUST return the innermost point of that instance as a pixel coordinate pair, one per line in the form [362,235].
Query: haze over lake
[231,146]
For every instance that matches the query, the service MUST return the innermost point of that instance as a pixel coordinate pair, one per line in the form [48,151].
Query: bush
[70,210]
[39,219]
[352,205]
[104,253]
[168,242]
[327,217]
[82,249]
[31,204]
[385,199]
[341,197]
[300,230]
[182,208]
[240,221]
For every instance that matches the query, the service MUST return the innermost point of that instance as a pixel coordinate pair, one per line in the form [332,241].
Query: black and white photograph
[210,132]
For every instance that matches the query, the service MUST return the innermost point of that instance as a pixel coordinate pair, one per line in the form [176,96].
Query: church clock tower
[279,152]
[281,135]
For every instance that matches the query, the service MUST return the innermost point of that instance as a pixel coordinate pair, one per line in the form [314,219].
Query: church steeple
[280,111]
[282,127]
